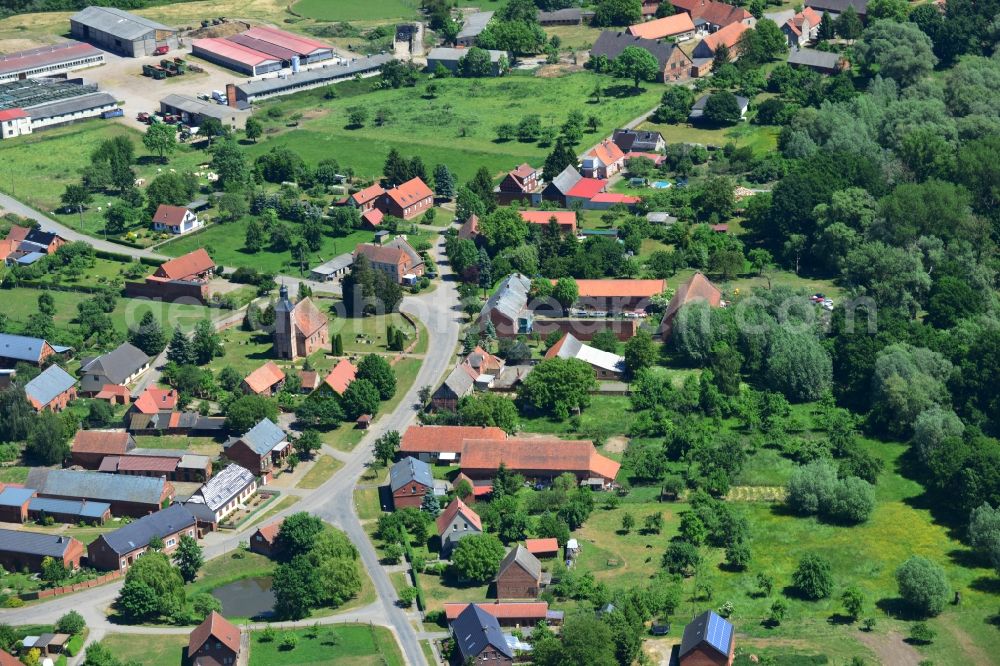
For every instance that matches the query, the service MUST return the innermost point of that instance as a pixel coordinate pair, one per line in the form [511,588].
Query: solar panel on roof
[719,633]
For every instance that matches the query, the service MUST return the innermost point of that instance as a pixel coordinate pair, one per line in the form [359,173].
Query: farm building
[121,32]
[32,104]
[449,59]
[474,24]
[193,111]
[49,60]
[132,496]
[313,78]
[235,56]
[261,50]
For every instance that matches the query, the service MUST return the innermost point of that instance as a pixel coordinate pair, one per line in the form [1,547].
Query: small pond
[249,597]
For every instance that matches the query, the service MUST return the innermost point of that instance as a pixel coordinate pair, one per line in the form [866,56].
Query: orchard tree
[160,138]
[76,197]
[640,352]
[254,129]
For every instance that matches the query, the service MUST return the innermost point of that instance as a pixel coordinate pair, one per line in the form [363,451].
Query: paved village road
[333,501]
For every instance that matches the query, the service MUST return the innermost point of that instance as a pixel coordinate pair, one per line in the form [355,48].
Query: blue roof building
[45,390]
[133,496]
[68,511]
[14,348]
[707,639]
[14,504]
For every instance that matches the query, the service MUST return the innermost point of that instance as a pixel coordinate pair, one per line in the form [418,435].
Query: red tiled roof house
[265,380]
[175,220]
[408,200]
[603,161]
[214,642]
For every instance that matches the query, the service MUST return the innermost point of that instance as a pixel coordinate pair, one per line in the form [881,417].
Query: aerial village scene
[551,332]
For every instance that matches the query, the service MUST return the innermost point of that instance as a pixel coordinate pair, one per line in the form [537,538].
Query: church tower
[284,326]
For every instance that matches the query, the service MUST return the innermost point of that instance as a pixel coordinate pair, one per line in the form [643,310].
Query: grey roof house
[478,637]
[226,491]
[673,64]
[507,308]
[836,7]
[121,366]
[52,389]
[698,110]
[260,449]
[409,480]
[449,59]
[821,61]
[20,549]
[560,186]
[640,141]
[121,547]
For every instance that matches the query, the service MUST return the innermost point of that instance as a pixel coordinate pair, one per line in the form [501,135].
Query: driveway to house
[333,501]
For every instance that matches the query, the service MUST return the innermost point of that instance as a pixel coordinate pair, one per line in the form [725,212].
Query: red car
[161,50]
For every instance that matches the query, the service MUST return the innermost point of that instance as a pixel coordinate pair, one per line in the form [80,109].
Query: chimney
[231,95]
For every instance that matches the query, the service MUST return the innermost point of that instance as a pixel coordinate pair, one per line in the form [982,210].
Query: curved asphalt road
[333,501]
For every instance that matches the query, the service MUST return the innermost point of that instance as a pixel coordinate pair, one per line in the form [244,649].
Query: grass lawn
[200,445]
[574,36]
[284,503]
[48,161]
[406,373]
[14,474]
[225,243]
[344,438]
[367,502]
[322,469]
[20,302]
[761,138]
[227,568]
[604,412]
[350,10]
[244,351]
[865,555]
[457,127]
[335,645]
[149,649]
[365,334]
[439,589]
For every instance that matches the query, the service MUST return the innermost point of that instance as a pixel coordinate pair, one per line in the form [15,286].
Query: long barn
[121,32]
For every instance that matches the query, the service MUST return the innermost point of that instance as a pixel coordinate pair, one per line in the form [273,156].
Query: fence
[75,587]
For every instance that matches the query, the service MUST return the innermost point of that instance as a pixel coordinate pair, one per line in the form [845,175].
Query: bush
[813,578]
[71,623]
[923,585]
